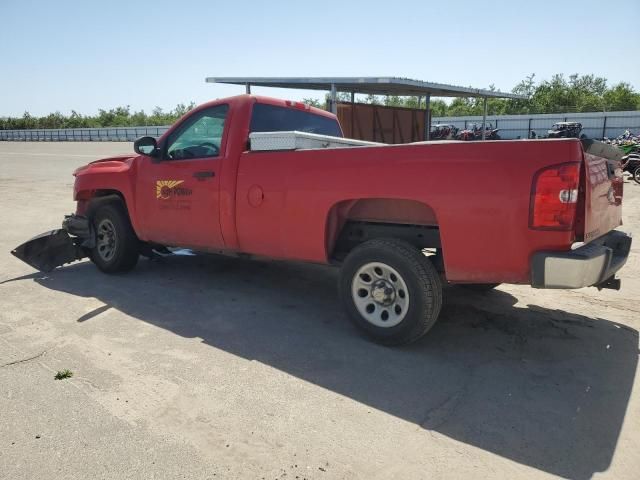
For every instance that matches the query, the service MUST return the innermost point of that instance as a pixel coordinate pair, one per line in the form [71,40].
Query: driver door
[178,193]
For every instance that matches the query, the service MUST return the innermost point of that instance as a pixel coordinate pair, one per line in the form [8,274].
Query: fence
[108,134]
[594,125]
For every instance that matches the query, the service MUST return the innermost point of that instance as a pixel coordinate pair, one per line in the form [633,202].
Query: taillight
[554,196]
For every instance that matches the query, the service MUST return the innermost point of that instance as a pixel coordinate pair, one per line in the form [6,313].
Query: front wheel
[391,291]
[636,174]
[117,247]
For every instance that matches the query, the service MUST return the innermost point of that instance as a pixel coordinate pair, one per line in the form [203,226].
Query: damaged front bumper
[57,247]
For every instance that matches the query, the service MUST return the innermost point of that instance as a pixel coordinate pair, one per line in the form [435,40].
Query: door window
[200,136]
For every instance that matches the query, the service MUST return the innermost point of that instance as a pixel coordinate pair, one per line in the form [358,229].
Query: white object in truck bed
[261,141]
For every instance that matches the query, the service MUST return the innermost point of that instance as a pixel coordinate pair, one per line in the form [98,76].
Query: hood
[113,164]
[116,158]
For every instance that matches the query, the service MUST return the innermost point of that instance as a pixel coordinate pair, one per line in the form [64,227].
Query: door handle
[205,174]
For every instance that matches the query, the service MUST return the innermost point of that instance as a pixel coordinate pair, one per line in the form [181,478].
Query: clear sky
[85,55]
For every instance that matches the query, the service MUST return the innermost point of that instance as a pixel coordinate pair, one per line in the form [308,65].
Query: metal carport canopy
[368,85]
[371,85]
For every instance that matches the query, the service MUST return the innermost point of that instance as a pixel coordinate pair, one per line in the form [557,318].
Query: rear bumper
[593,264]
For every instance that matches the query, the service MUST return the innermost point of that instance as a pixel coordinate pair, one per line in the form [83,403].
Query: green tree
[314,102]
[28,121]
[621,97]
[438,108]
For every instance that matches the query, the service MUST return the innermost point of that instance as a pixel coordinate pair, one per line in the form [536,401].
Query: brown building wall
[377,123]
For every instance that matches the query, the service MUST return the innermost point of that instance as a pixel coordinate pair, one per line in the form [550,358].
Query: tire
[479,287]
[636,175]
[117,246]
[392,276]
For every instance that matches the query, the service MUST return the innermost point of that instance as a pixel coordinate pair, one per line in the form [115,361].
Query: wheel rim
[380,294]
[636,175]
[106,240]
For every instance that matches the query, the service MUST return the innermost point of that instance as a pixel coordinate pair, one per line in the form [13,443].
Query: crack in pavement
[15,362]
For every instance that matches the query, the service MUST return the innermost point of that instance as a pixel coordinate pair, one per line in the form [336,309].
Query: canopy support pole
[334,99]
[247,88]
[484,119]
[427,118]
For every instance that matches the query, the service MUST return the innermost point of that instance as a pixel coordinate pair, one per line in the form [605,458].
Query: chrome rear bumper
[593,264]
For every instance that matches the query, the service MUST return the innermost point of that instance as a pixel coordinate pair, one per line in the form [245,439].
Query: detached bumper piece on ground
[58,247]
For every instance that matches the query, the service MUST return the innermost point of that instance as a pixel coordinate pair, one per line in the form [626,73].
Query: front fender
[106,178]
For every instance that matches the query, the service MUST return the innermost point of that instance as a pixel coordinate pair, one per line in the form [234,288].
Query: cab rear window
[269,118]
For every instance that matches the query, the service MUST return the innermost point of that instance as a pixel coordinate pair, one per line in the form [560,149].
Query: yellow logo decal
[164,188]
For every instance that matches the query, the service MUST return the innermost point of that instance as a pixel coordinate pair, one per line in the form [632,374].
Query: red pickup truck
[400,220]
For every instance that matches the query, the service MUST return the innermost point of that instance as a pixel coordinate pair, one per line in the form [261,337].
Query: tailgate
[602,181]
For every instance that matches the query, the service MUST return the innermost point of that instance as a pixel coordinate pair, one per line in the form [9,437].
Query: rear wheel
[636,174]
[117,246]
[391,291]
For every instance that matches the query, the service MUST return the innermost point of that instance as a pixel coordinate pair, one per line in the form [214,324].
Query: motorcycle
[443,132]
[565,130]
[474,132]
[490,133]
[630,146]
[631,163]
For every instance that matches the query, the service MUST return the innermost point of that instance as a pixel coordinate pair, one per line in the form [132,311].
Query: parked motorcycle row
[630,145]
[472,132]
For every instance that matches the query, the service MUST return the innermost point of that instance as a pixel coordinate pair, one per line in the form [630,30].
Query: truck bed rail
[294,140]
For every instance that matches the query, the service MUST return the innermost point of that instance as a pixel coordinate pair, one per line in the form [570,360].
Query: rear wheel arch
[355,221]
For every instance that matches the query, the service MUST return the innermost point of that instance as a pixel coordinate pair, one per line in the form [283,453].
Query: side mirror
[146,146]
